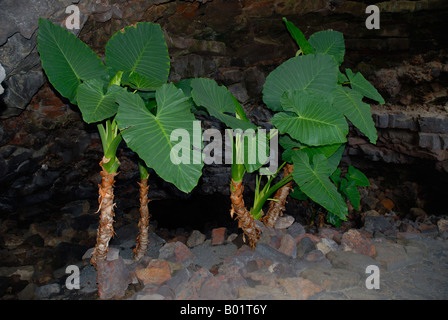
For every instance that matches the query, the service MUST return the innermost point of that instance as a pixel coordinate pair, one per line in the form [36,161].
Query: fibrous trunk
[106,209]
[245,220]
[143,224]
[277,207]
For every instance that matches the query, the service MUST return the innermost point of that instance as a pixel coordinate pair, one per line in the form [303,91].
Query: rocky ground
[289,262]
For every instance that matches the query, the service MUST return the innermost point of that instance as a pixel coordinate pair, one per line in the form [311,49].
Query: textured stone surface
[176,252]
[157,272]
[219,236]
[332,279]
[196,238]
[113,278]
[354,241]
[392,256]
[350,260]
[18,51]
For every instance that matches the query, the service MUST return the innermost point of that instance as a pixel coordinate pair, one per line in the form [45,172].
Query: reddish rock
[176,252]
[442,225]
[157,272]
[330,234]
[354,241]
[299,288]
[314,256]
[218,288]
[187,10]
[218,236]
[428,228]
[113,278]
[263,277]
[258,264]
[189,290]
[288,246]
[388,204]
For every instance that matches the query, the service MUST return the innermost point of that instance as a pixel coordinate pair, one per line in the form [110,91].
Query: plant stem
[106,206]
[143,224]
[245,220]
[276,208]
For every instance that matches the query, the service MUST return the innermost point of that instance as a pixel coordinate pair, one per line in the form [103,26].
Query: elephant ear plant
[221,104]
[313,100]
[130,94]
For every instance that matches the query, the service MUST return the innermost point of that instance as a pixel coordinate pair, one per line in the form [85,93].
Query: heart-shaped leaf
[218,101]
[317,73]
[364,87]
[149,135]
[329,42]
[314,181]
[66,59]
[94,104]
[349,102]
[310,119]
[142,49]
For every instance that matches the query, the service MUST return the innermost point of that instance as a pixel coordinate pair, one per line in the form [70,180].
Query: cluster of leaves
[130,87]
[314,101]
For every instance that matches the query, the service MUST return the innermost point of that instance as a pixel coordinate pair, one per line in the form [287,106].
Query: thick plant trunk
[245,220]
[276,208]
[143,224]
[106,209]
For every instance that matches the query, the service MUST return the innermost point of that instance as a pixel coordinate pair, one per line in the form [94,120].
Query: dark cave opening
[199,212]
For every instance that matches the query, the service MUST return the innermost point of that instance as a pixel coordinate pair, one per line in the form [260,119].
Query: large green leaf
[364,87]
[138,82]
[351,191]
[349,102]
[299,37]
[329,42]
[310,119]
[358,177]
[311,73]
[335,158]
[149,135]
[94,103]
[314,181]
[142,49]
[66,60]
[290,145]
[218,101]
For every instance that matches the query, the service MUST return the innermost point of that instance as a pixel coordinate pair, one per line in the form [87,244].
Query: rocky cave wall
[47,153]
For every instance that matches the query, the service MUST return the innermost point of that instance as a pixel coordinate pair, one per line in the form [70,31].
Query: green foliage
[314,100]
[348,186]
[219,102]
[314,180]
[149,134]
[131,87]
[66,60]
[299,37]
[316,73]
[310,119]
[140,51]
[95,102]
[329,42]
